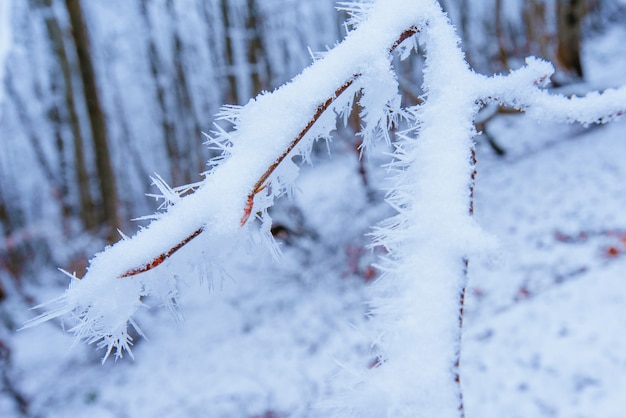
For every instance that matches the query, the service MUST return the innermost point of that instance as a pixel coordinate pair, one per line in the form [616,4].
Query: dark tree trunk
[232,93]
[166,116]
[108,191]
[261,71]
[570,14]
[536,27]
[87,209]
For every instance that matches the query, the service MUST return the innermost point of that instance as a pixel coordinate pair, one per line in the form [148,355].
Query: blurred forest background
[99,96]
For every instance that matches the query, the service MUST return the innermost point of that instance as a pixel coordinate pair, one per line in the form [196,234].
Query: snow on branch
[417,303]
[254,169]
[522,90]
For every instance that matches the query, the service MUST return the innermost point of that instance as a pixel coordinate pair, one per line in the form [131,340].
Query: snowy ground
[545,326]
[544,329]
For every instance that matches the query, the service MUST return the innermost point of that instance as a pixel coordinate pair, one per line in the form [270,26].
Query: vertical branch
[464,288]
[8,380]
[188,136]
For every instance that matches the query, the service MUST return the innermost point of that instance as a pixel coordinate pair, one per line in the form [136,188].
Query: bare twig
[457,377]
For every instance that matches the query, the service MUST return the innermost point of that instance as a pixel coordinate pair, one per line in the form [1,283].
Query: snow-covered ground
[544,327]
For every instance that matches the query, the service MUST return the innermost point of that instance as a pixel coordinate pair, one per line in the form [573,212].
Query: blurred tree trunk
[190,138]
[87,210]
[106,177]
[15,251]
[536,28]
[570,14]
[166,116]
[260,69]
[245,56]
[233,92]
[501,38]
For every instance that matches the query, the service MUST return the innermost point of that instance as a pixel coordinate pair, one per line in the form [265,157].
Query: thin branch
[457,364]
[261,183]
[161,257]
[403,37]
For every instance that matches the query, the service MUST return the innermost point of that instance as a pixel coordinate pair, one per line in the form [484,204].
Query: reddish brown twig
[262,181]
[161,257]
[457,365]
[403,37]
[260,184]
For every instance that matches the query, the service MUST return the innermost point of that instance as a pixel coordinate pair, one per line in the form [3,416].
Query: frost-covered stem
[523,90]
[161,257]
[422,289]
[457,378]
[263,136]
[419,305]
[261,182]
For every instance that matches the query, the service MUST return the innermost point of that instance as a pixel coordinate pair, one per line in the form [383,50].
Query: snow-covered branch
[279,121]
[417,302]
[523,90]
